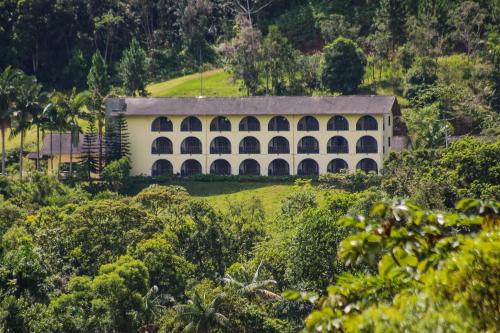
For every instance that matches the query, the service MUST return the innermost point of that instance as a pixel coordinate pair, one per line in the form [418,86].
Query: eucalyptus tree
[8,90]
[201,315]
[28,107]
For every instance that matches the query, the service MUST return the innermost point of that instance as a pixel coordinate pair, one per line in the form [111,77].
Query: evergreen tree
[89,158]
[117,138]
[98,77]
[110,140]
[99,85]
[133,70]
[343,66]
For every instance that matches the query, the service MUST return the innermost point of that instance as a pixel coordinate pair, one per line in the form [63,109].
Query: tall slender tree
[27,105]
[88,158]
[75,105]
[99,86]
[55,113]
[7,93]
[117,138]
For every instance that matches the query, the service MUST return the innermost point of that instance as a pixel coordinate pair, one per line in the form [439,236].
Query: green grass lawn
[215,83]
[223,194]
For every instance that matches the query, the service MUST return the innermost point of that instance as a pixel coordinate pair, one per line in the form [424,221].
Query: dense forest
[415,248]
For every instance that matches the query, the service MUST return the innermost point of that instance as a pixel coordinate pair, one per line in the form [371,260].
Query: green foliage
[350,181]
[117,172]
[420,76]
[105,303]
[98,232]
[89,158]
[343,66]
[167,270]
[117,138]
[133,69]
[426,126]
[475,167]
[300,199]
[421,255]
[466,169]
[313,252]
[98,79]
[158,198]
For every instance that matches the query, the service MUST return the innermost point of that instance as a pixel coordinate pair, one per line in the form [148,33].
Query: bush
[350,181]
[117,172]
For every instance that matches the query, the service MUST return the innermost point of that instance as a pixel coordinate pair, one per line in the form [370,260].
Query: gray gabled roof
[65,140]
[262,105]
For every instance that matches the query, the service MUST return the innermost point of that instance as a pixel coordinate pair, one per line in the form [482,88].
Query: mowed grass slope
[211,83]
[224,194]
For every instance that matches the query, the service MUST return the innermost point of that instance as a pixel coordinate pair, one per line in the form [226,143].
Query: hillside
[210,83]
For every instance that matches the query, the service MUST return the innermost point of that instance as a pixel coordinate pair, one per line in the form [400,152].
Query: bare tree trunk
[60,154]
[37,147]
[100,157]
[3,149]
[21,156]
[51,154]
[71,156]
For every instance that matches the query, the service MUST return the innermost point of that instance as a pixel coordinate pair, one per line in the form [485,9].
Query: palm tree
[27,105]
[201,315]
[154,305]
[75,104]
[249,285]
[7,91]
[55,114]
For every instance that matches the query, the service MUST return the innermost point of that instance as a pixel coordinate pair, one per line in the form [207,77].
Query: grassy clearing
[215,83]
[223,194]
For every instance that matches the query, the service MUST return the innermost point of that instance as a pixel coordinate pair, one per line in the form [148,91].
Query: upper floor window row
[276,124]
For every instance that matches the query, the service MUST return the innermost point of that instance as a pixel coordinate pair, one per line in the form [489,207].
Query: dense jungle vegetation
[414,249]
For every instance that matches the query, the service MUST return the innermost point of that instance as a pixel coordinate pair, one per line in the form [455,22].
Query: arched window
[191,145]
[162,168]
[190,168]
[220,124]
[249,124]
[221,168]
[249,145]
[220,145]
[366,145]
[162,124]
[337,123]
[367,123]
[308,167]
[278,167]
[162,145]
[308,145]
[338,145]
[278,145]
[278,124]
[336,165]
[367,165]
[191,124]
[250,168]
[308,123]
